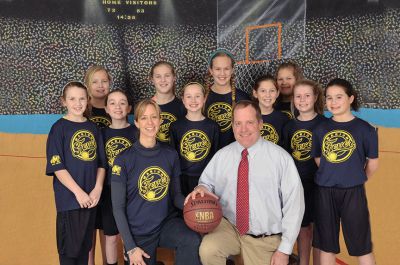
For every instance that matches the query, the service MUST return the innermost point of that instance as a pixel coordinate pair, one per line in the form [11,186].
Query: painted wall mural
[45,45]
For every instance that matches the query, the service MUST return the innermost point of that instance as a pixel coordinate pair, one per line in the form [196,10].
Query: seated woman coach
[145,187]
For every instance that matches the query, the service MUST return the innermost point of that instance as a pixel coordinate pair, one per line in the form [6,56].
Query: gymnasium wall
[44,46]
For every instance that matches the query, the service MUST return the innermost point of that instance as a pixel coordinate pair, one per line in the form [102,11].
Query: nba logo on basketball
[203,214]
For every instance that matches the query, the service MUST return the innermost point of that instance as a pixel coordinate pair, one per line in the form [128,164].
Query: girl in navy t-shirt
[194,137]
[266,92]
[287,75]
[75,157]
[308,101]
[346,150]
[98,80]
[222,93]
[119,136]
[163,77]
[145,192]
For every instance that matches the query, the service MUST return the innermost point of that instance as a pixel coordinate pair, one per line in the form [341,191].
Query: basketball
[202,214]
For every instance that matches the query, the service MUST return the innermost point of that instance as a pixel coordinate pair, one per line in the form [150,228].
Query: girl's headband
[219,51]
[194,83]
[73,83]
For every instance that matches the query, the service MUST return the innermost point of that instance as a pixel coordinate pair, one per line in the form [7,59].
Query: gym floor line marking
[338,261]
[19,156]
[394,152]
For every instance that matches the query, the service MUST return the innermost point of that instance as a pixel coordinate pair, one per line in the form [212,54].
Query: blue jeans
[176,235]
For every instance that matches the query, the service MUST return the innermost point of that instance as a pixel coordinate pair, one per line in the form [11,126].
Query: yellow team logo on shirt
[288,113]
[221,113]
[153,184]
[269,133]
[301,145]
[55,160]
[114,146]
[83,145]
[163,133]
[195,145]
[116,170]
[101,121]
[337,146]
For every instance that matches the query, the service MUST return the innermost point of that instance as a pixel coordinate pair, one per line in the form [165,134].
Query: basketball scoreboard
[129,9]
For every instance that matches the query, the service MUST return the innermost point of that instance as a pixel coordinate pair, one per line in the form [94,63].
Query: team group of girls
[131,180]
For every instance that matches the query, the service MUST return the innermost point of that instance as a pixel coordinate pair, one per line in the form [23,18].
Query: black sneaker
[293,259]
[230,262]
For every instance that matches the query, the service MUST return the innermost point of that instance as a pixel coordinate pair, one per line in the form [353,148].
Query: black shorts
[348,206]
[74,231]
[98,224]
[107,217]
[308,217]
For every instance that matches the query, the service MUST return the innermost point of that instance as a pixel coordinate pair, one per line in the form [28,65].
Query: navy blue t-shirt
[100,117]
[116,141]
[284,107]
[219,109]
[297,137]
[170,112]
[273,126]
[78,148]
[343,148]
[151,178]
[196,142]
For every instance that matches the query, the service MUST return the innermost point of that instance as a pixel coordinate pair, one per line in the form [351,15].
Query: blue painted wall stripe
[41,123]
[35,124]
[389,118]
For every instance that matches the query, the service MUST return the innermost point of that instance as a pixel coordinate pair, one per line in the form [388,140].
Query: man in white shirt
[273,201]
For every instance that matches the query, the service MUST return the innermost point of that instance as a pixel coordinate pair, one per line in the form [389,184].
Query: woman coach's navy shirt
[144,185]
